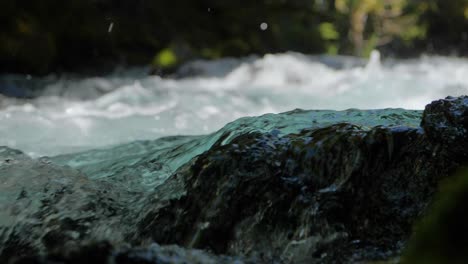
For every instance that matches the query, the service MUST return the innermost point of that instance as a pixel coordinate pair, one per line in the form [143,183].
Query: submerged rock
[44,206]
[274,188]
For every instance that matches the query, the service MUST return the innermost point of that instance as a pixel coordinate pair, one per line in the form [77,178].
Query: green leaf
[328,31]
[165,58]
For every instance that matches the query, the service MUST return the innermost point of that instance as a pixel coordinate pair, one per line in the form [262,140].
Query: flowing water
[76,114]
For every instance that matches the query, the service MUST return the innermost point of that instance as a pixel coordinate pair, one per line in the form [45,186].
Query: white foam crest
[77,114]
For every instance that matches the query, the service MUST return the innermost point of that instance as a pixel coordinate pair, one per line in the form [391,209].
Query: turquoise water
[146,164]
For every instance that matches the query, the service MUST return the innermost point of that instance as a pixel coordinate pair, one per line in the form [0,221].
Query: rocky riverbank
[297,187]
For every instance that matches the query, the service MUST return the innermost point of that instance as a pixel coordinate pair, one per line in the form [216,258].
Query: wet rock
[103,252]
[336,194]
[44,206]
[339,193]
[446,123]
[312,192]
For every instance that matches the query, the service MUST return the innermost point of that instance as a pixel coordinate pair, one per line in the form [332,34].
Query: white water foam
[77,114]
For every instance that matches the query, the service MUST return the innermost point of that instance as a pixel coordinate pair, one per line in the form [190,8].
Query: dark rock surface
[446,123]
[335,194]
[103,252]
[331,194]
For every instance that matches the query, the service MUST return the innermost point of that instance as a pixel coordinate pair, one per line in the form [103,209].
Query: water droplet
[111,25]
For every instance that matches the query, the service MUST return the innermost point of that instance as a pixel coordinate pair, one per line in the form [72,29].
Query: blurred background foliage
[40,36]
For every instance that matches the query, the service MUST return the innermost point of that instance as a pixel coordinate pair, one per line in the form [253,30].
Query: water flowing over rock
[297,187]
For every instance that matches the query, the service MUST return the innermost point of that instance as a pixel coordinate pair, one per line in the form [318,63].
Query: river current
[79,113]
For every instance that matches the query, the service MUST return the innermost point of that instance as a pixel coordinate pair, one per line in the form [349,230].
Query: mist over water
[77,114]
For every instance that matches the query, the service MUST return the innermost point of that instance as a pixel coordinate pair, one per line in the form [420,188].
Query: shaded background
[39,37]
